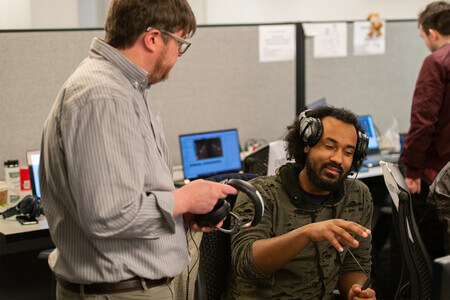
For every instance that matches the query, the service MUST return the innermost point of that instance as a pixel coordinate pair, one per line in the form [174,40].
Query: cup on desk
[3,193]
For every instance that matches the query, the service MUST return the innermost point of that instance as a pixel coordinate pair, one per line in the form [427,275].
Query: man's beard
[160,73]
[314,172]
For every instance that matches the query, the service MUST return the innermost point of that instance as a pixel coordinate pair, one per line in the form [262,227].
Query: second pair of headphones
[311,129]
[30,205]
[223,208]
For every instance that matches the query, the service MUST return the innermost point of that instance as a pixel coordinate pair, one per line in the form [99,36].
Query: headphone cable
[190,269]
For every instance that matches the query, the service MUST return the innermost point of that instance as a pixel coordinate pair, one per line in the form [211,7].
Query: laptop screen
[33,167]
[367,124]
[317,103]
[209,153]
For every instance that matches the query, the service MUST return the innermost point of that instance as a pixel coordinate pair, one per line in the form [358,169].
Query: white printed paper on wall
[276,43]
[364,44]
[330,39]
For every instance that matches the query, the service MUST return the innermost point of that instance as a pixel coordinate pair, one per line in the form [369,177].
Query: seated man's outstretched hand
[356,293]
[336,231]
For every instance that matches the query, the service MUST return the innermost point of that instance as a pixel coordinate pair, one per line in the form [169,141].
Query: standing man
[114,214]
[313,215]
[426,149]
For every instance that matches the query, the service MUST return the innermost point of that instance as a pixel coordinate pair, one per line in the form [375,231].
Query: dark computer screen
[209,153]
[368,126]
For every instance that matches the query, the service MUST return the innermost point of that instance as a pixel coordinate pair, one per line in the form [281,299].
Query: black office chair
[215,252]
[257,162]
[415,283]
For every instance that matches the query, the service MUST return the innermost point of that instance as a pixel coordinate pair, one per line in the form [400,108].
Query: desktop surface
[15,237]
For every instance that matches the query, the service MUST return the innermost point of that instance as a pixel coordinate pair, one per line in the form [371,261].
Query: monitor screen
[317,103]
[209,153]
[33,158]
[368,126]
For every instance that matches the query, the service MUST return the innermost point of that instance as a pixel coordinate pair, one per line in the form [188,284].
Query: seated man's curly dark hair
[295,145]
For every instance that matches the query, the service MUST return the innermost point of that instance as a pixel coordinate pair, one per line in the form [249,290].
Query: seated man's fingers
[345,237]
[355,228]
[367,293]
[333,241]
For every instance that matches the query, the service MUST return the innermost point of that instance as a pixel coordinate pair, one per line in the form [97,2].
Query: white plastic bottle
[12,175]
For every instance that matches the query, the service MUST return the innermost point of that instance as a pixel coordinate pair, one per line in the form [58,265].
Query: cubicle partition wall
[218,84]
[380,85]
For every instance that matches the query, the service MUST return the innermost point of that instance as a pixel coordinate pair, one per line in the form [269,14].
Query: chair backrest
[417,281]
[215,252]
[258,161]
[266,159]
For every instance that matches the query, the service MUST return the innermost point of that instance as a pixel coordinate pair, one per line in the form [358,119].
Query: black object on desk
[26,220]
[30,205]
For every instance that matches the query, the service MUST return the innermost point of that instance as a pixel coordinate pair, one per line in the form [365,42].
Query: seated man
[300,248]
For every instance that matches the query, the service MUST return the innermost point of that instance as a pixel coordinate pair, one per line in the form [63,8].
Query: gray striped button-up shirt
[106,179]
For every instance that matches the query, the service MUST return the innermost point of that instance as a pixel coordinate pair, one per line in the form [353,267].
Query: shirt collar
[289,178]
[136,75]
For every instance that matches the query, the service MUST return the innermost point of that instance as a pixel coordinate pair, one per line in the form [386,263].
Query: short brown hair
[436,16]
[127,19]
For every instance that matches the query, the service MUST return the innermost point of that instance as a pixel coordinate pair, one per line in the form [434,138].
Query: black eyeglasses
[183,45]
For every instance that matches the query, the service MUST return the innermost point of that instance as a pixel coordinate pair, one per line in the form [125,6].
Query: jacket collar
[289,173]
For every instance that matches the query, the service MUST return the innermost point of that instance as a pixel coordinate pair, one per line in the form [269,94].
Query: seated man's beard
[320,182]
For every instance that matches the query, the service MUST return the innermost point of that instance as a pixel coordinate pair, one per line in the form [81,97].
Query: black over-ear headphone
[30,205]
[222,208]
[311,129]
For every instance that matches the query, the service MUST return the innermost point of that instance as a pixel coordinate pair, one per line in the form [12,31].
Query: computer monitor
[210,153]
[368,126]
[33,158]
[320,102]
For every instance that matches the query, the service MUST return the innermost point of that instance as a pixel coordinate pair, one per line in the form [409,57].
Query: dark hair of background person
[295,145]
[127,19]
[436,16]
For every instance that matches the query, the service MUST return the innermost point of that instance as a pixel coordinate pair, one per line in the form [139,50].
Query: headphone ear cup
[361,151]
[36,208]
[310,129]
[316,131]
[211,219]
[30,205]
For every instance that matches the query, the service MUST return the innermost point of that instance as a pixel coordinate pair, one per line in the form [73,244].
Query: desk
[15,237]
[22,274]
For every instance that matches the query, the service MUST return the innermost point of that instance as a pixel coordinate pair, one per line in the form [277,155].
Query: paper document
[330,39]
[363,44]
[276,43]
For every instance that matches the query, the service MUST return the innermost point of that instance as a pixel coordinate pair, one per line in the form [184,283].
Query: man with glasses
[183,45]
[114,214]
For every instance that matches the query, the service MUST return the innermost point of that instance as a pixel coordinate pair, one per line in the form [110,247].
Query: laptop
[317,103]
[33,158]
[210,153]
[373,150]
